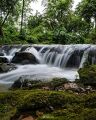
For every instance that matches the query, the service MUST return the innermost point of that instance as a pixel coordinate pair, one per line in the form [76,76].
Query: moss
[65,114]
[88,75]
[44,100]
[55,105]
[30,101]
[57,82]
[38,84]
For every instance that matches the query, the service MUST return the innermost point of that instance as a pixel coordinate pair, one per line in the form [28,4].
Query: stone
[46,88]
[6,67]
[58,50]
[1,54]
[70,86]
[17,84]
[3,59]
[21,83]
[24,58]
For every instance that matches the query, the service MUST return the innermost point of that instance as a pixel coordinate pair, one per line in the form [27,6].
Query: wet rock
[21,83]
[3,60]
[24,58]
[17,84]
[23,48]
[1,54]
[5,67]
[37,47]
[44,50]
[75,59]
[58,50]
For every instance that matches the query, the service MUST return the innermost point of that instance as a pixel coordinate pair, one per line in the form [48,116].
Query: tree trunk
[95,24]
[1,32]
[2,24]
[22,16]
[5,19]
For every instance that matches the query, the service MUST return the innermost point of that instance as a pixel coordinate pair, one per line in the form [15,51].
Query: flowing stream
[61,61]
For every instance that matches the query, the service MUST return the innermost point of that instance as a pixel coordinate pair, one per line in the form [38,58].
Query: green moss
[55,105]
[88,75]
[65,114]
[38,84]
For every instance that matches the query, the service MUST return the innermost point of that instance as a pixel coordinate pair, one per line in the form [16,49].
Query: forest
[48,60]
[58,24]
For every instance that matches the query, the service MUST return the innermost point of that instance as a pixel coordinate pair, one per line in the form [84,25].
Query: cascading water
[54,61]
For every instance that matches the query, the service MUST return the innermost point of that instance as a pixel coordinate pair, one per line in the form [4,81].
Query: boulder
[1,54]
[72,87]
[87,76]
[24,58]
[3,59]
[5,67]
[17,84]
[21,83]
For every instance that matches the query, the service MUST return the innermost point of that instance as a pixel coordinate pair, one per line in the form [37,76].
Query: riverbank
[4,87]
[47,105]
[56,99]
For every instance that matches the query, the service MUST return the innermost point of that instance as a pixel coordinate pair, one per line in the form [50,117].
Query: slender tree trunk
[22,17]
[1,32]
[1,26]
[95,24]
[5,19]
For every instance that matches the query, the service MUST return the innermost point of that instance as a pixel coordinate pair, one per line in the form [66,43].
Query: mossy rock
[88,75]
[66,105]
[38,84]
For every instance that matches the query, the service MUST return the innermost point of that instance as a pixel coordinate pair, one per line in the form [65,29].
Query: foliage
[87,10]
[88,75]
[58,24]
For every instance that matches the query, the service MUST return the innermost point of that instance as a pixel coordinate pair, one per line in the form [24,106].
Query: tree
[25,9]
[57,11]
[35,20]
[87,10]
[7,7]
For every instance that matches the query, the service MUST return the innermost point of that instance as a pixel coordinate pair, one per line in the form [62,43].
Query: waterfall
[56,55]
[67,55]
[34,52]
[55,60]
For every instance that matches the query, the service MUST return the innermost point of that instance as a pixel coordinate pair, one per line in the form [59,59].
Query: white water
[53,62]
[37,72]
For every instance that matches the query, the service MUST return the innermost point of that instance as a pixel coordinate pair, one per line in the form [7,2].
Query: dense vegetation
[58,23]
[53,105]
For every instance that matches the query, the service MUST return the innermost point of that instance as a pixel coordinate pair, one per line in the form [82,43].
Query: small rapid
[61,61]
